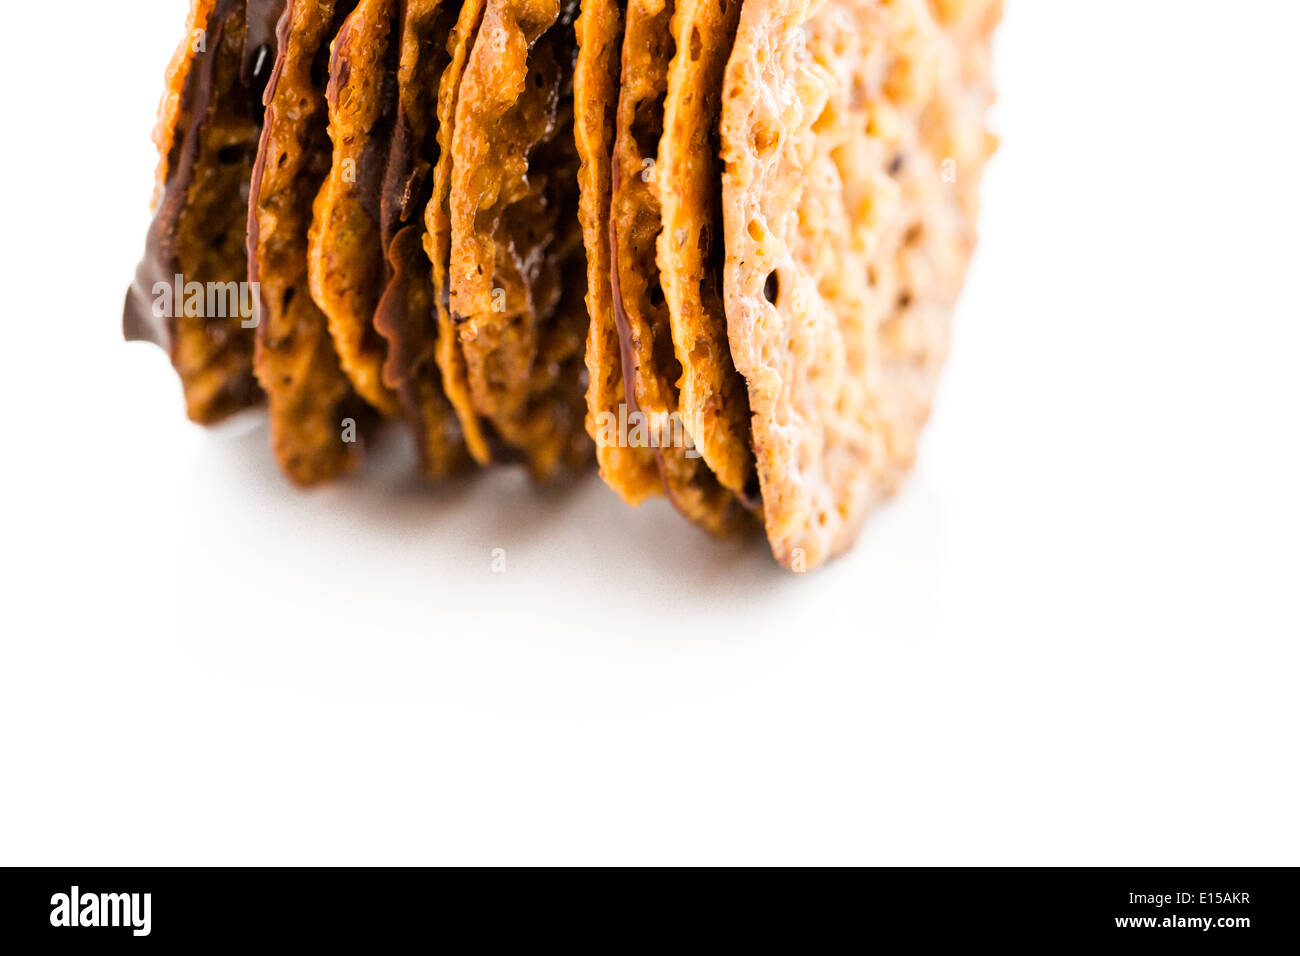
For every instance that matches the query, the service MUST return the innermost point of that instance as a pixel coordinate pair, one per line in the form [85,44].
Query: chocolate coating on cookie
[208,130]
[407,315]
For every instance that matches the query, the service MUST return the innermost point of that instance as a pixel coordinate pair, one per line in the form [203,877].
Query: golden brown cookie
[631,470]
[311,401]
[346,263]
[406,315]
[853,134]
[641,314]
[515,234]
[437,236]
[713,402]
[207,135]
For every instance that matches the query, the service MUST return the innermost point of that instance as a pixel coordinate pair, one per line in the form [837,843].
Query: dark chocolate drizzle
[406,189]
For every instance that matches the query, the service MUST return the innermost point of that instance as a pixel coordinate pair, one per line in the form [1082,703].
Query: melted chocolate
[139,321]
[404,191]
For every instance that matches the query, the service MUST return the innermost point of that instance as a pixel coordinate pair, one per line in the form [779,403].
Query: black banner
[121,909]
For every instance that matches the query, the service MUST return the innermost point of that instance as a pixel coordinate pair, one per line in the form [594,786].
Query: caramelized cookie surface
[650,367]
[631,470]
[516,270]
[437,238]
[713,401]
[310,399]
[347,268]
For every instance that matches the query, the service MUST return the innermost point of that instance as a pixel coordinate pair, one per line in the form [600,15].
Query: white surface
[1072,640]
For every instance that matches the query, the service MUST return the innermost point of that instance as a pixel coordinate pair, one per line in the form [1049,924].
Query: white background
[1071,640]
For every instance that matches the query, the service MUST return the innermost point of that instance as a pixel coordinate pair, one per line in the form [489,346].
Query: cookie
[406,315]
[631,470]
[515,239]
[853,135]
[190,293]
[723,238]
[314,411]
[347,268]
[713,401]
[651,369]
[437,237]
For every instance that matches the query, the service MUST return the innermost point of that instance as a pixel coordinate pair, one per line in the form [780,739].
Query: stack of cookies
[712,246]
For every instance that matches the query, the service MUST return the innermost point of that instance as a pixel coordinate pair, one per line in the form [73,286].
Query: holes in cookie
[697,45]
[904,300]
[765,139]
[656,296]
[648,125]
[896,164]
[289,293]
[756,230]
[913,234]
[772,287]
[826,120]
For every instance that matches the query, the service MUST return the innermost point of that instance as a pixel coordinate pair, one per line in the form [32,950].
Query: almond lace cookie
[630,469]
[651,369]
[437,237]
[713,402]
[209,125]
[347,266]
[515,240]
[712,245]
[311,399]
[442,422]
[853,136]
